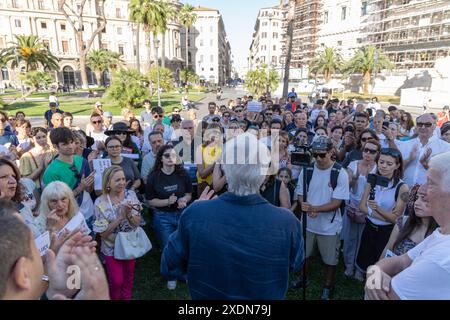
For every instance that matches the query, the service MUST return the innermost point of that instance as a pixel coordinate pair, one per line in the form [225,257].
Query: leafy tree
[101,60]
[31,51]
[327,64]
[165,79]
[261,80]
[128,88]
[366,61]
[37,79]
[188,76]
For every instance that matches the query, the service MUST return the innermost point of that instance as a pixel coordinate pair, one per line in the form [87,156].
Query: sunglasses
[269,114]
[12,119]
[216,120]
[96,122]
[238,111]
[75,171]
[319,155]
[391,152]
[370,151]
[158,116]
[366,139]
[424,124]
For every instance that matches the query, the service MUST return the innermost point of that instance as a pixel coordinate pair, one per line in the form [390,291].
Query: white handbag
[131,245]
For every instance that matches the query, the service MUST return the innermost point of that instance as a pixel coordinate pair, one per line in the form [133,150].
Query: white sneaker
[172,285]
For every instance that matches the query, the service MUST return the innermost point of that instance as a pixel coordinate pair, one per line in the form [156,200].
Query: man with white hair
[417,152]
[423,273]
[237,246]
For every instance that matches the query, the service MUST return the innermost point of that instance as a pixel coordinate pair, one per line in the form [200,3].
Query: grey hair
[57,190]
[245,161]
[440,163]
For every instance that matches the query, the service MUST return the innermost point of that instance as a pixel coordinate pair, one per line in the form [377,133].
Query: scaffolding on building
[412,33]
[305,31]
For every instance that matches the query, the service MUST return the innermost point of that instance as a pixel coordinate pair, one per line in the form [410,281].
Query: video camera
[376,180]
[301,156]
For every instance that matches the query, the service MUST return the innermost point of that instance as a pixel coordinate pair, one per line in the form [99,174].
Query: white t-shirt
[101,136]
[357,192]
[415,173]
[320,192]
[428,277]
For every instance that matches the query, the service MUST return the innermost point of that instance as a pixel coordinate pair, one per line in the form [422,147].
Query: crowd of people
[228,195]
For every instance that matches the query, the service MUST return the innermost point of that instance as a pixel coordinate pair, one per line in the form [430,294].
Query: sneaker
[349,272]
[359,276]
[297,284]
[326,293]
[172,285]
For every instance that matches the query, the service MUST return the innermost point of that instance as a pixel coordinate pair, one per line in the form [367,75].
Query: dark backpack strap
[335,175]
[397,190]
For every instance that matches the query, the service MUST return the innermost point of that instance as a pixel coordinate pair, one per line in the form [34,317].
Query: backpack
[334,175]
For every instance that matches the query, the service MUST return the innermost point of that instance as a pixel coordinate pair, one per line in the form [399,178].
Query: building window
[84,45]
[264,35]
[201,58]
[63,27]
[339,43]
[211,29]
[275,24]
[344,13]
[211,42]
[211,59]
[264,24]
[211,69]
[15,4]
[104,46]
[325,17]
[274,48]
[65,46]
[119,31]
[364,8]
[5,73]
[275,35]
[118,15]
[18,23]
[121,50]
[189,42]
[274,60]
[201,42]
[134,50]
[43,25]
[359,40]
[41,5]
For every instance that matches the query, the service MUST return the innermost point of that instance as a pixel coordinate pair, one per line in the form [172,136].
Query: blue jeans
[165,223]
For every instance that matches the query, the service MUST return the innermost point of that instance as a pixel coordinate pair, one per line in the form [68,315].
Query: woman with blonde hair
[117,210]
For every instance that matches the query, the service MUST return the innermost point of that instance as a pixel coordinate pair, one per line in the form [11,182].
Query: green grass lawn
[362,97]
[84,106]
[150,285]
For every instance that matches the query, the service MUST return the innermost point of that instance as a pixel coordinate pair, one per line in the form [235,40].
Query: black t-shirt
[162,186]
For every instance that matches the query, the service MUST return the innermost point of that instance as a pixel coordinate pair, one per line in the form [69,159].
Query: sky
[239,17]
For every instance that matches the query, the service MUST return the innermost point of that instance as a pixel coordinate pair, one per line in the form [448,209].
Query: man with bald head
[418,152]
[57,120]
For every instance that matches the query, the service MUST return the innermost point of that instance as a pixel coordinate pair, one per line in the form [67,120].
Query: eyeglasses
[158,116]
[96,122]
[391,152]
[366,150]
[319,155]
[424,124]
[12,119]
[75,171]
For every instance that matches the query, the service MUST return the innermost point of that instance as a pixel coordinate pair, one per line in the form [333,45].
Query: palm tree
[188,76]
[136,16]
[169,15]
[153,15]
[187,18]
[327,63]
[96,60]
[366,61]
[101,60]
[261,80]
[30,50]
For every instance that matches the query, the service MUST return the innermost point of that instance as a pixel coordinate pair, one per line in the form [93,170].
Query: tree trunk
[327,76]
[287,63]
[366,82]
[187,48]
[98,77]
[163,51]
[138,56]
[149,51]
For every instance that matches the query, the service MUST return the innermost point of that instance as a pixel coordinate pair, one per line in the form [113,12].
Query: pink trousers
[120,278]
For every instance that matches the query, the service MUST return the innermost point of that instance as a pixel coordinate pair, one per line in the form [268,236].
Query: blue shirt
[235,248]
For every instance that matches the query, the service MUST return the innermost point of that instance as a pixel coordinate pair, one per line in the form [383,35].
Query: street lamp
[156,41]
